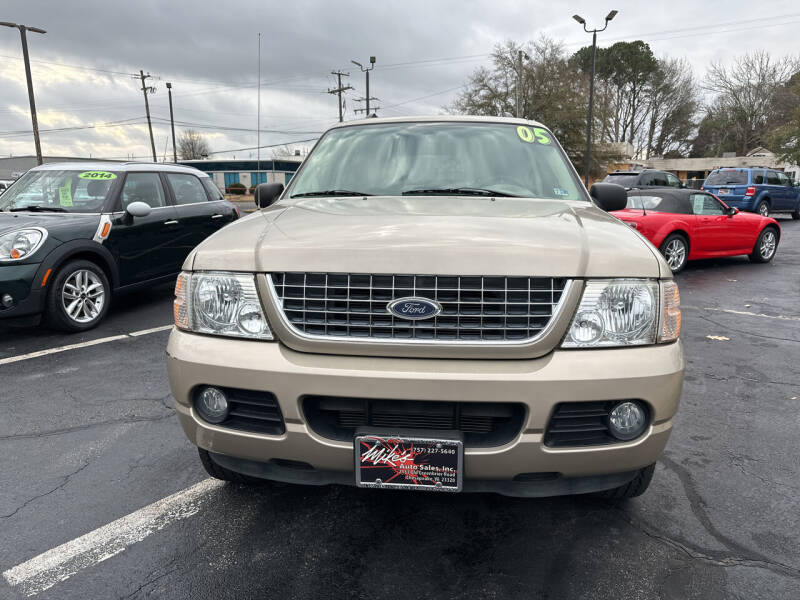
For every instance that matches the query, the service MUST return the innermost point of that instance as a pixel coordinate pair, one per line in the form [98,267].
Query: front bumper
[651,373]
[18,281]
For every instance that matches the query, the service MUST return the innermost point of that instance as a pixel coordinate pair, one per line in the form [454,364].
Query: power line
[338,90]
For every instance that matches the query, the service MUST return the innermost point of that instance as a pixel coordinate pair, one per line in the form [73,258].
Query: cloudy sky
[209,51]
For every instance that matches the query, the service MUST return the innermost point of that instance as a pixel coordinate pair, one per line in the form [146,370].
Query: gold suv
[431,304]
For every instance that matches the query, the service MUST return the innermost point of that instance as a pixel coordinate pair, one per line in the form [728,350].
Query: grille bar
[474,308]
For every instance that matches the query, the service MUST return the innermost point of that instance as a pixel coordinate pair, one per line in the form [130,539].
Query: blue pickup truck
[757,190]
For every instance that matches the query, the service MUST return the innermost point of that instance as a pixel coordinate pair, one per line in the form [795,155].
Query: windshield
[392,159]
[727,177]
[70,190]
[626,180]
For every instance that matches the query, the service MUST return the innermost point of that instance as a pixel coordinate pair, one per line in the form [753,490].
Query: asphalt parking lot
[103,497]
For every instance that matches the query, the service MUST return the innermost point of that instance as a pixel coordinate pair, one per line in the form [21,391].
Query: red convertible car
[690,224]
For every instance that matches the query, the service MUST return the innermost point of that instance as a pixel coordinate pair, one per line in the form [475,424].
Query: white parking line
[105,340]
[49,568]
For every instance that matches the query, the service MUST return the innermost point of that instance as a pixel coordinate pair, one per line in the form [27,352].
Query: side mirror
[138,209]
[609,196]
[266,194]
[732,210]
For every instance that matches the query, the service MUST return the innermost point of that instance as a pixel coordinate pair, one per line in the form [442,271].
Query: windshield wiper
[460,191]
[37,208]
[329,193]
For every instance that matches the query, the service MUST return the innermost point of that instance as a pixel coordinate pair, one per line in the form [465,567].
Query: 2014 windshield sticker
[560,191]
[538,135]
[101,175]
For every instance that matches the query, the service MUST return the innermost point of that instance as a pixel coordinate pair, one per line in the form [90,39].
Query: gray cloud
[201,46]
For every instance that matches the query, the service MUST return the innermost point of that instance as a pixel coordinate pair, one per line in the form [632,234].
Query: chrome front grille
[474,308]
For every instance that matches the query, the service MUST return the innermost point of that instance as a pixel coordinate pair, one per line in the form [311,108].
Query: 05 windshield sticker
[101,175]
[537,135]
[65,193]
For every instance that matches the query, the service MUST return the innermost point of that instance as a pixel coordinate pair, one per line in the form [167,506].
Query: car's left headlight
[21,244]
[220,303]
[625,312]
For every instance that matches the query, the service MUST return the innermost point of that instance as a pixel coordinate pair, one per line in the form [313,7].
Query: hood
[53,222]
[438,234]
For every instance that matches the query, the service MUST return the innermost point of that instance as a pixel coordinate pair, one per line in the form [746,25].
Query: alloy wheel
[83,296]
[675,253]
[768,244]
[763,209]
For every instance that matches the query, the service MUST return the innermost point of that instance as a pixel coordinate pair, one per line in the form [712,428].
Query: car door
[774,189]
[144,246]
[199,216]
[787,192]
[711,226]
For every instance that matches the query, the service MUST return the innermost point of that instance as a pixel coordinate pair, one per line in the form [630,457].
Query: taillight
[702,189]
[751,191]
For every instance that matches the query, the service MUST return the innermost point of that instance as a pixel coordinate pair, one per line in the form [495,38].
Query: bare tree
[192,145]
[672,108]
[747,90]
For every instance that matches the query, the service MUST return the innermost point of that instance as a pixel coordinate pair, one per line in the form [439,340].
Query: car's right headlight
[220,303]
[625,312]
[20,244]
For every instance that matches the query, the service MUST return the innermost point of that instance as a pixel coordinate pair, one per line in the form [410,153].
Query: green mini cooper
[72,234]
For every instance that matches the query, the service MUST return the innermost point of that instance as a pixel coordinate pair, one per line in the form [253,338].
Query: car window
[659,179]
[623,179]
[143,187]
[411,158]
[758,177]
[77,191]
[727,177]
[213,191]
[772,178]
[783,179]
[187,188]
[665,203]
[704,204]
[673,181]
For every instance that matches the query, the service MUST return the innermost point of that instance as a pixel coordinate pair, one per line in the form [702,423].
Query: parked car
[688,224]
[643,179]
[71,234]
[432,304]
[763,191]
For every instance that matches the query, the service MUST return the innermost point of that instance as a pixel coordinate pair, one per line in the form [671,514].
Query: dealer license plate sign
[409,463]
[723,191]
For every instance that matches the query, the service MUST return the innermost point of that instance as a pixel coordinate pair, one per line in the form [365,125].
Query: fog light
[7,301]
[212,405]
[627,420]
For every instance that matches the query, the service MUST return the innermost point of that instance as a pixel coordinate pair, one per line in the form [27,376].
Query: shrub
[237,188]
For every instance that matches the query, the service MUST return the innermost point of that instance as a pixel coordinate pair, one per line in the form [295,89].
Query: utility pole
[172,123]
[23,29]
[339,89]
[582,21]
[147,90]
[366,72]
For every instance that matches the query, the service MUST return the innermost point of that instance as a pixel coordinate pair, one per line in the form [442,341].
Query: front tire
[766,246]
[635,487]
[675,249]
[78,298]
[763,208]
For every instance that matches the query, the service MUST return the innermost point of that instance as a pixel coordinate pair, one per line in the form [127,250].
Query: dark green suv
[71,234]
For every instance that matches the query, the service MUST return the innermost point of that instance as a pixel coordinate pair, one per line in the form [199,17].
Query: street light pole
[23,29]
[366,71]
[172,124]
[582,21]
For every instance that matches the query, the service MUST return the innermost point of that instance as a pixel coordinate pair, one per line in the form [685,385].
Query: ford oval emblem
[414,308]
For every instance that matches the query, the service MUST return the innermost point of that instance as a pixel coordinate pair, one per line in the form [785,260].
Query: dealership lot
[103,496]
